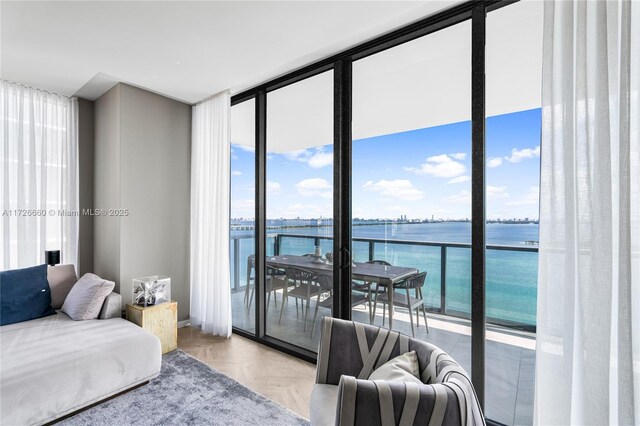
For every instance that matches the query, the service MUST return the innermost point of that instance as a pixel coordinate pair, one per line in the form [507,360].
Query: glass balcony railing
[511,282]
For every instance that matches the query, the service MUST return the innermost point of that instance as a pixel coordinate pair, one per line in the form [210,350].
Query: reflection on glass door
[411,189]
[513,63]
[242,235]
[299,212]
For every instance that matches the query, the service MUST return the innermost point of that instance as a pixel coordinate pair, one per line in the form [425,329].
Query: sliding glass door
[242,214]
[411,187]
[299,201]
[430,174]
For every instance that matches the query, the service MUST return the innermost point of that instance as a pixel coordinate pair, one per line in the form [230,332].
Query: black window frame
[341,64]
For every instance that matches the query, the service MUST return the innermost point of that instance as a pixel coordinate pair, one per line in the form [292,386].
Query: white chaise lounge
[53,366]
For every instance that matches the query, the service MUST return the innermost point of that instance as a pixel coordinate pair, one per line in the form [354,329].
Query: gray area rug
[188,392]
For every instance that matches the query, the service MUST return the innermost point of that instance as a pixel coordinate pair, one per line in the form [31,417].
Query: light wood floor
[510,362]
[280,377]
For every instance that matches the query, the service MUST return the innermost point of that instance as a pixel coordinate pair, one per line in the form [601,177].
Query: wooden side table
[160,320]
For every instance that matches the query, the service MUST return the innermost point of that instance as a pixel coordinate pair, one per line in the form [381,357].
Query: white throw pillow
[403,368]
[85,299]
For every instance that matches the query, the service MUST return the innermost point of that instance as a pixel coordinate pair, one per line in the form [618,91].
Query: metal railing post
[236,264]
[371,242]
[443,278]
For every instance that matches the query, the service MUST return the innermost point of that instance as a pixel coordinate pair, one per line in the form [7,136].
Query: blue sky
[419,173]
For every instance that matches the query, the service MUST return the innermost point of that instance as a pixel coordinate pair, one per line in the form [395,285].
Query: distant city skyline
[389,219]
[418,174]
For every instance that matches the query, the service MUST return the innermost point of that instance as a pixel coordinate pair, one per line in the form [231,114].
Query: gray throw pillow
[403,368]
[86,297]
[61,279]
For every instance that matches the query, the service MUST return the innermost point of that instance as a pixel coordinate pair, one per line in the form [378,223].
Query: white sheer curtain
[39,177]
[588,332]
[210,168]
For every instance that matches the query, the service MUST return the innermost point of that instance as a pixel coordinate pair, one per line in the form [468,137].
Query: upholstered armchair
[342,395]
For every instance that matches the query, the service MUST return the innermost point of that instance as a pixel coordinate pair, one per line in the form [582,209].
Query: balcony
[511,303]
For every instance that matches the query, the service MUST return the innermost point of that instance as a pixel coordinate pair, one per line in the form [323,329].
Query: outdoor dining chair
[326,284]
[415,282]
[365,287]
[301,284]
[276,280]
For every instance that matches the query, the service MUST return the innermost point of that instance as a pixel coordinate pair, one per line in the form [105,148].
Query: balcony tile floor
[510,355]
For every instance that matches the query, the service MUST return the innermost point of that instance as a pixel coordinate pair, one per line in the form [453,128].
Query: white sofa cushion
[53,366]
[324,402]
[85,299]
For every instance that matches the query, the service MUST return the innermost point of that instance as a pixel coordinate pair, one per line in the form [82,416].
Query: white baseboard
[183,323]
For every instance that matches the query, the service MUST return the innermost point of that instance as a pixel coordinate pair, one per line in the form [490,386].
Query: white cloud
[439,159]
[236,173]
[400,188]
[302,155]
[494,192]
[242,208]
[273,187]
[315,158]
[314,187]
[304,210]
[517,155]
[530,198]
[321,159]
[459,155]
[494,162]
[442,166]
[462,197]
[248,203]
[460,179]
[245,148]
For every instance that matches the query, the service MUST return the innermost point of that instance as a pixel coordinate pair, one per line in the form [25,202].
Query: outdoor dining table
[386,276]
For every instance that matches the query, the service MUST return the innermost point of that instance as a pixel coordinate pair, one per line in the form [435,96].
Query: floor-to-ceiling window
[411,187]
[242,241]
[299,199]
[411,184]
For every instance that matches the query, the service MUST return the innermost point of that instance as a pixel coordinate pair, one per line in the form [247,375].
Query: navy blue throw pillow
[24,295]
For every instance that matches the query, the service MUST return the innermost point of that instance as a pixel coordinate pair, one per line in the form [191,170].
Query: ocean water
[511,275]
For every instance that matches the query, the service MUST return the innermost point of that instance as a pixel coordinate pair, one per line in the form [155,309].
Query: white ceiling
[182,49]
[420,84]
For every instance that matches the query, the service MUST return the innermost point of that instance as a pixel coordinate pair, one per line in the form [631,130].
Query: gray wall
[147,170]
[155,141]
[86,182]
[106,230]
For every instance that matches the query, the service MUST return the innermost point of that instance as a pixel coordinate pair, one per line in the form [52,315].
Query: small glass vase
[152,290]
